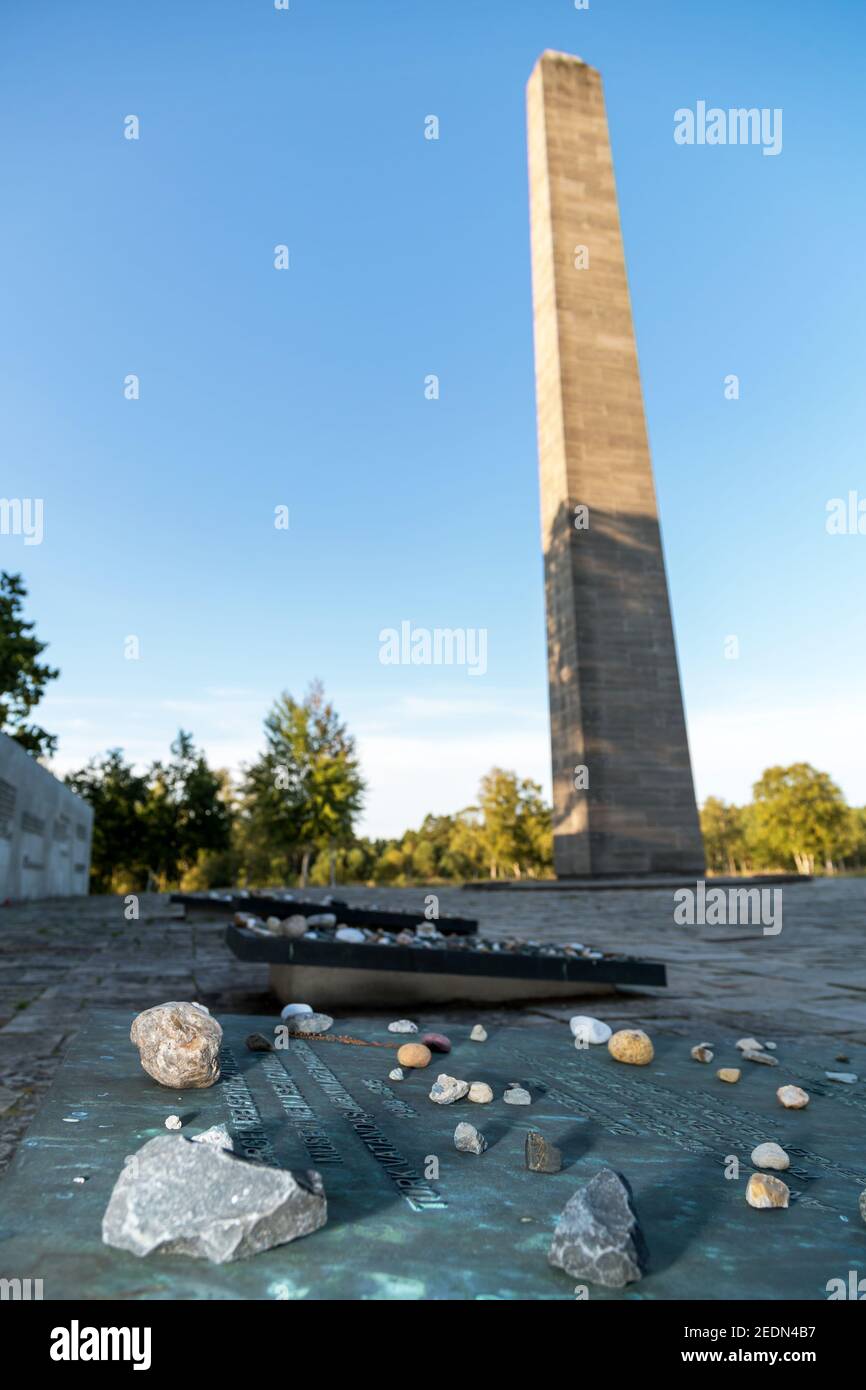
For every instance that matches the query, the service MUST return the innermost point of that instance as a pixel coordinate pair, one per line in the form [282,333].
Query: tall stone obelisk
[623,795]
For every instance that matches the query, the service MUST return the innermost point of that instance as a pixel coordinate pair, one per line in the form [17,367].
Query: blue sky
[305,388]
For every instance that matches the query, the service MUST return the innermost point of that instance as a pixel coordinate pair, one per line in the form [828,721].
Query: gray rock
[218,1135]
[185,1198]
[541,1157]
[178,1044]
[468,1139]
[308,1023]
[598,1237]
[516,1095]
[257,1042]
[764,1058]
[847,1078]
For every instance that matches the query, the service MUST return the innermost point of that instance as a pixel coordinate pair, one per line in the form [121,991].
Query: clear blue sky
[409,257]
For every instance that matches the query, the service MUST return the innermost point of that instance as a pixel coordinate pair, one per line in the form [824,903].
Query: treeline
[797,819]
[291,817]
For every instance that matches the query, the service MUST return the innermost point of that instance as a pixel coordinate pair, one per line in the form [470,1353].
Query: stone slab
[480,1228]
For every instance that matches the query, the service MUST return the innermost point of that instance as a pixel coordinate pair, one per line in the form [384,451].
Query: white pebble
[846,1077]
[396,1074]
[173,1122]
[480,1093]
[750,1045]
[322,919]
[354,935]
[770,1156]
[292,1010]
[588,1030]
[478,1034]
[403,1025]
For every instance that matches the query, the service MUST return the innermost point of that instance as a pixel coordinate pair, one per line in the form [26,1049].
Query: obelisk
[623,795]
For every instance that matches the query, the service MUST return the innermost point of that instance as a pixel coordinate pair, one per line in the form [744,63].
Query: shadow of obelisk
[624,800]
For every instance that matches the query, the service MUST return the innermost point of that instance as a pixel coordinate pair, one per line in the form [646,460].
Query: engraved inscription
[246,1122]
[415,1190]
[314,1138]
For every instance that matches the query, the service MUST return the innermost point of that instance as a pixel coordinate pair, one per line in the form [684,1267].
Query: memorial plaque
[408,1216]
[284,905]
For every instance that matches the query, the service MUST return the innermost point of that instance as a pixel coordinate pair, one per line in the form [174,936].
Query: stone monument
[623,795]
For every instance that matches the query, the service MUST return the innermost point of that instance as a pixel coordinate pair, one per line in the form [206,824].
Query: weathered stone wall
[45,830]
[615,701]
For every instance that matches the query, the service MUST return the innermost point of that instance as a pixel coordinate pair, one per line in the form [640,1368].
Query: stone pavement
[59,958]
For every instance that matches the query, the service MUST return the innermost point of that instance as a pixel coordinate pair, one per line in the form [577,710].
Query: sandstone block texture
[615,700]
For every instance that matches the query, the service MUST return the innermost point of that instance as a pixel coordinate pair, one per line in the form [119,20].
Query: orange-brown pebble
[414,1055]
[631,1045]
[763,1190]
[730,1074]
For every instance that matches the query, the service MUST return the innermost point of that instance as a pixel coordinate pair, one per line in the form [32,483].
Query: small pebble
[396,1074]
[478,1034]
[446,1089]
[702,1052]
[257,1042]
[842,1057]
[516,1095]
[771,1046]
[437,1042]
[730,1074]
[173,1122]
[79,1180]
[322,919]
[749,1055]
[770,1156]
[353,935]
[273,923]
[403,1025]
[468,1139]
[750,1045]
[292,1010]
[862,1204]
[588,1030]
[414,1055]
[631,1045]
[765,1191]
[793,1097]
[846,1077]
[480,1093]
[540,1156]
[309,1023]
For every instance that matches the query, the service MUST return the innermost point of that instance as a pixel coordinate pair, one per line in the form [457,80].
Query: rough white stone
[402,1025]
[480,1093]
[173,1122]
[446,1089]
[468,1139]
[478,1034]
[292,1010]
[770,1156]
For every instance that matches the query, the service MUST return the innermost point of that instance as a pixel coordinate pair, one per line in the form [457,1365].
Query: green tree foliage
[800,817]
[118,797]
[305,793]
[724,828]
[156,827]
[515,824]
[23,677]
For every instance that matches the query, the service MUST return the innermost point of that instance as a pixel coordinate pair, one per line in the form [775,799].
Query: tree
[516,823]
[118,795]
[156,825]
[305,792]
[723,827]
[800,815]
[22,677]
[187,812]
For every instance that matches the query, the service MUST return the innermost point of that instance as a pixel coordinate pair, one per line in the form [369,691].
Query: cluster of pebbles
[426,936]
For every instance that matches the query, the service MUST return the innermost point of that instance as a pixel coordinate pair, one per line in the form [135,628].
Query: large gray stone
[179,1197]
[598,1237]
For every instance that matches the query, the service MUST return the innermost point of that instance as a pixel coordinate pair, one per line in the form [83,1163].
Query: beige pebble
[730,1074]
[749,1045]
[480,1092]
[631,1045]
[702,1052]
[764,1190]
[793,1097]
[414,1055]
[770,1156]
[479,1033]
